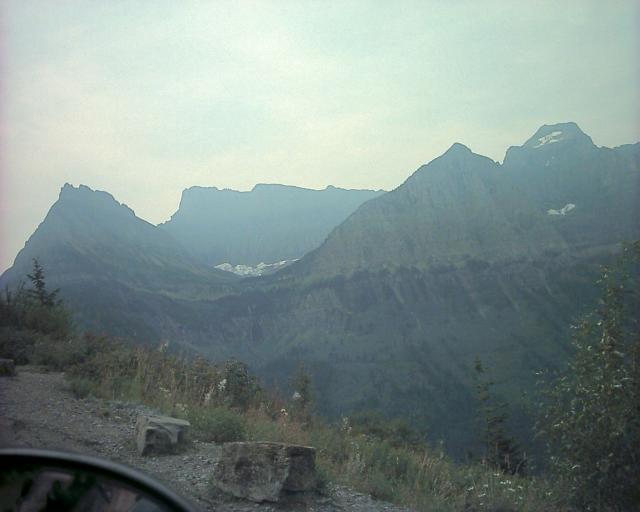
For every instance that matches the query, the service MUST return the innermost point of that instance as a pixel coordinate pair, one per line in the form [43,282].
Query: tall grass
[224,403]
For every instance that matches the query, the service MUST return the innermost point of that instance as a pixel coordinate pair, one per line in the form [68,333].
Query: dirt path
[37,410]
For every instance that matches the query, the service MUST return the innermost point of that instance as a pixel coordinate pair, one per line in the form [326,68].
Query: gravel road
[37,410]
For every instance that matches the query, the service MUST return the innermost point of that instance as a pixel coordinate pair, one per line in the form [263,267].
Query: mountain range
[466,258]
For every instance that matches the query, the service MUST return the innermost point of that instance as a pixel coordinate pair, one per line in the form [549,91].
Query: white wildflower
[222,385]
[208,395]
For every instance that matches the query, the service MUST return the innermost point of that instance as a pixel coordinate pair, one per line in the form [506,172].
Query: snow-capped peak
[549,139]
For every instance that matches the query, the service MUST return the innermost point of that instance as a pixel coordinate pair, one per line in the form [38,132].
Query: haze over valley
[386,254]
[392,295]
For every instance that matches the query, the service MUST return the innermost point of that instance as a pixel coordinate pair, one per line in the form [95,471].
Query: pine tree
[501,450]
[39,291]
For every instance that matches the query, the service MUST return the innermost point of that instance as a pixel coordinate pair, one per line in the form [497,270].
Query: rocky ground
[37,410]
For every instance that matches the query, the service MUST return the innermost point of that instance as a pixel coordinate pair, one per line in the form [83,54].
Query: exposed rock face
[261,471]
[160,434]
[7,368]
[271,223]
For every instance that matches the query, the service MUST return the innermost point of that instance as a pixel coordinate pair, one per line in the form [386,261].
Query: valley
[392,295]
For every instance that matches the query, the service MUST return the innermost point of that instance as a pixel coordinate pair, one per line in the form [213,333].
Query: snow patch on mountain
[549,139]
[250,271]
[562,211]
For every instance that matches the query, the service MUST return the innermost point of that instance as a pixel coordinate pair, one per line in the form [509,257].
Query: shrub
[217,424]
[58,354]
[380,486]
[81,388]
[592,417]
[302,399]
[396,431]
[17,344]
[238,387]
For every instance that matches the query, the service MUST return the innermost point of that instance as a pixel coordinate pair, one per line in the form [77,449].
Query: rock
[302,469]
[160,434]
[7,368]
[261,471]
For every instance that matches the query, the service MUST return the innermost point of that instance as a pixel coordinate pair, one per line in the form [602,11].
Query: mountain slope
[270,223]
[462,205]
[116,271]
[459,206]
[463,259]
[467,257]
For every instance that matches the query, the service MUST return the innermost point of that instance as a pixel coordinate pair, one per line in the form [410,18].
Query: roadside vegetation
[590,415]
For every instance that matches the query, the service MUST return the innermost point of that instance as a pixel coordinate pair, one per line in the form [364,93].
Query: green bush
[81,388]
[17,344]
[240,388]
[217,424]
[322,478]
[396,431]
[592,415]
[58,354]
[380,486]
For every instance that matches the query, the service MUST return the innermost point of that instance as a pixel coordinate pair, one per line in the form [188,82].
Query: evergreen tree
[35,309]
[501,450]
[239,387]
[39,290]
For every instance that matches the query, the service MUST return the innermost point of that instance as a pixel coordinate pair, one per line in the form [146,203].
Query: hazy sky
[146,98]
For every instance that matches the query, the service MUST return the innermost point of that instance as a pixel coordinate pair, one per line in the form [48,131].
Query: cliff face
[464,206]
[459,206]
[269,224]
[403,341]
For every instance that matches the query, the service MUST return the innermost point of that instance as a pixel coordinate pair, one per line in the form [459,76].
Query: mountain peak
[549,134]
[84,196]
[68,189]
[548,141]
[458,149]
[458,156]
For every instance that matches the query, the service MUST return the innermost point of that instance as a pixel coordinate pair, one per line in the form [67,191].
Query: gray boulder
[7,368]
[262,471]
[160,434]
